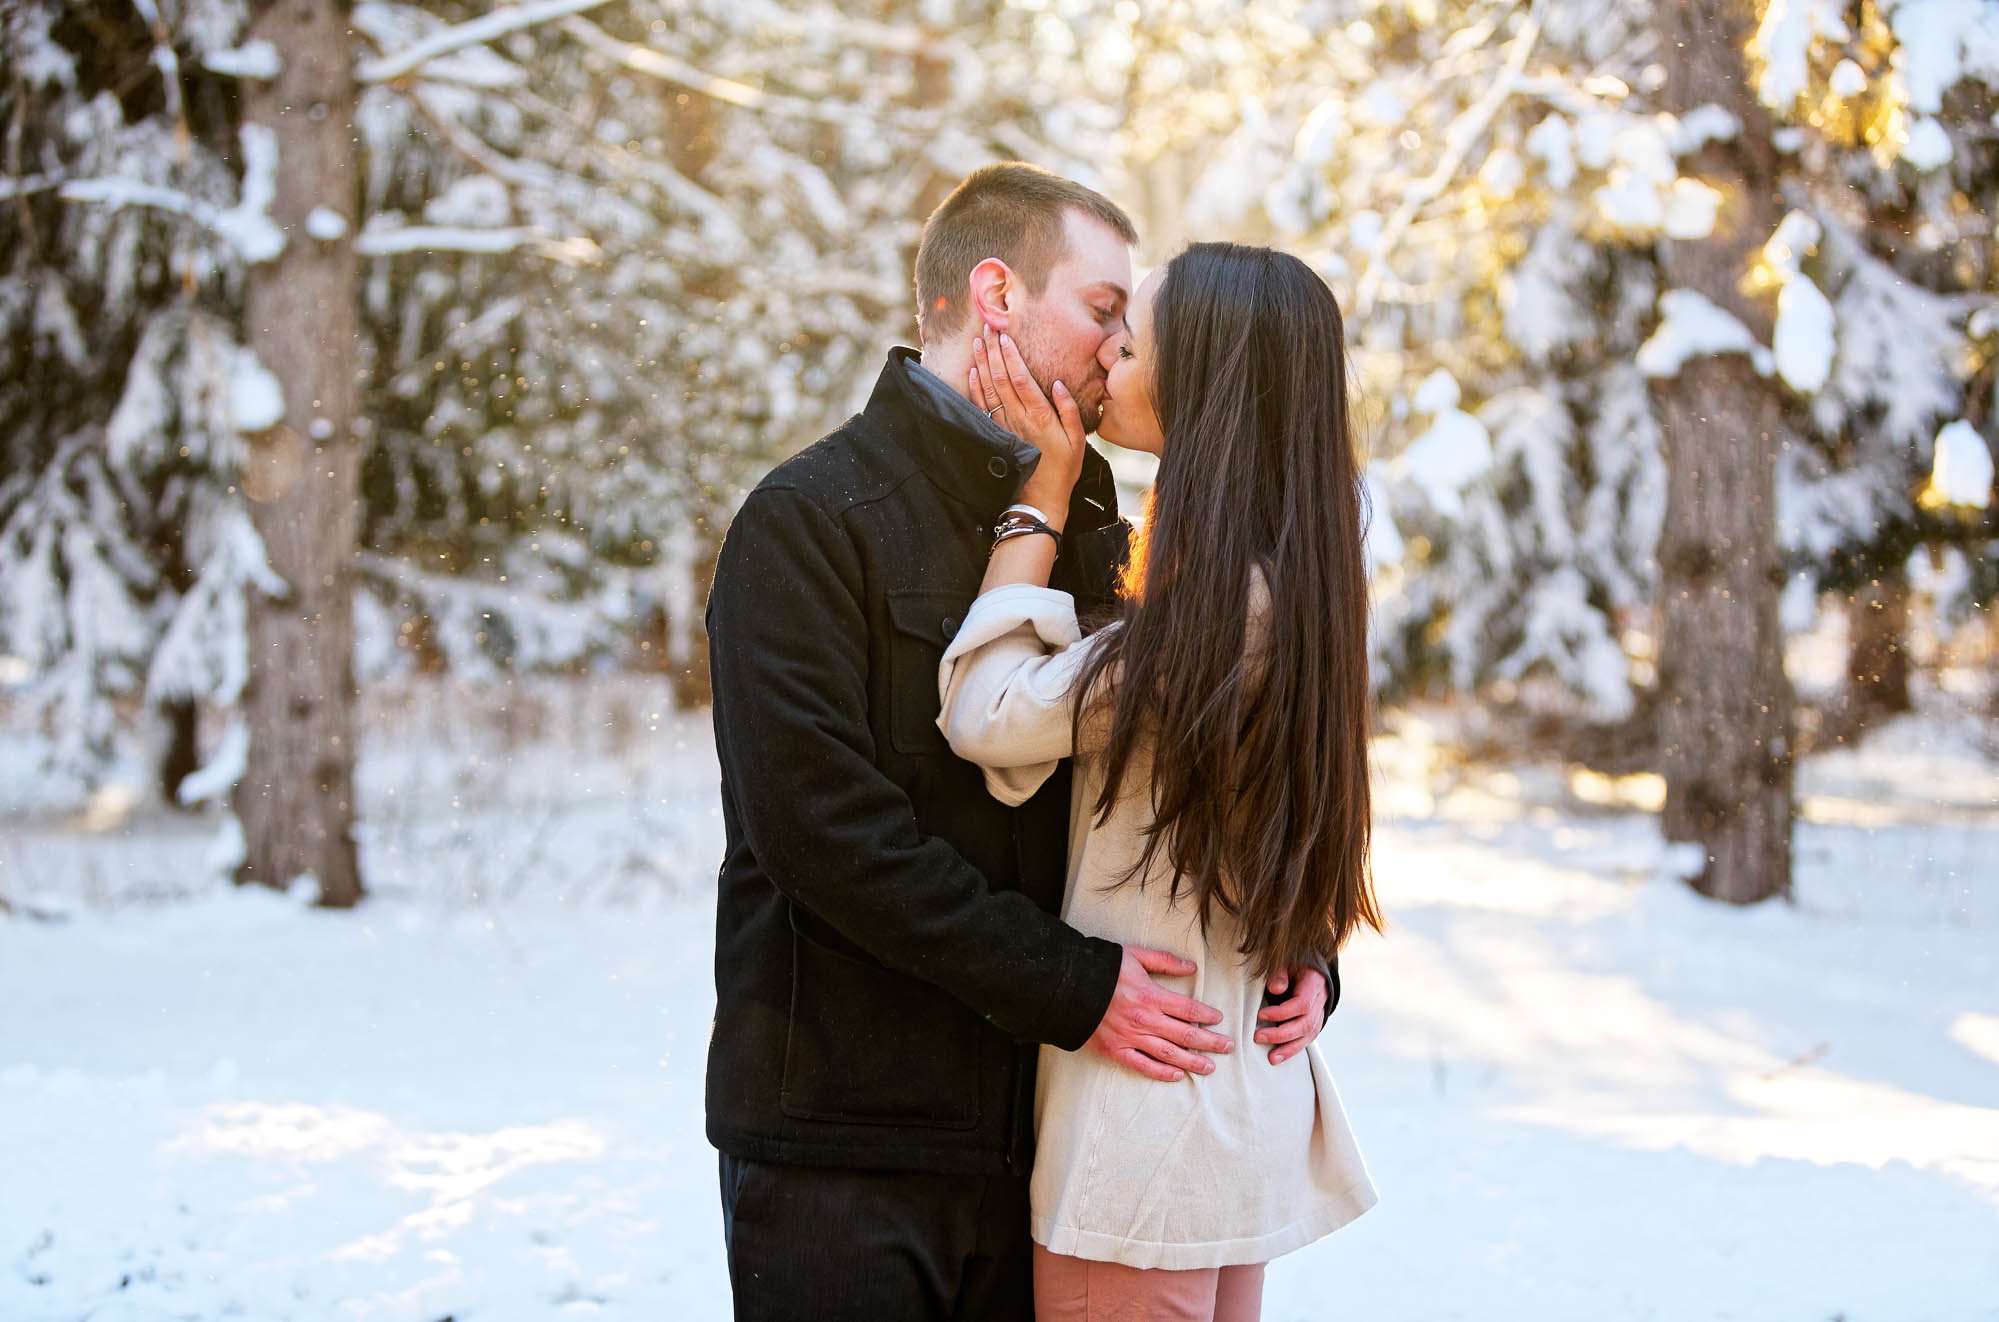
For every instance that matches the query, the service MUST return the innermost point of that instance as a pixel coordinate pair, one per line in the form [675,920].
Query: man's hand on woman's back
[1153,1031]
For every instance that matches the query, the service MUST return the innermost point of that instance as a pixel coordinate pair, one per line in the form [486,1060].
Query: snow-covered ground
[1584,1093]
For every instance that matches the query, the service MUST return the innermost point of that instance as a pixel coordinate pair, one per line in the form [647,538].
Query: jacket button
[997,466]
[950,626]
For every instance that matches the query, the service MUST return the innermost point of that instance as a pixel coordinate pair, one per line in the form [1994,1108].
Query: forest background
[371,372]
[1673,327]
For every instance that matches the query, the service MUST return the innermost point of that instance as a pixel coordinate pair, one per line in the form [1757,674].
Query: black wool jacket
[888,955]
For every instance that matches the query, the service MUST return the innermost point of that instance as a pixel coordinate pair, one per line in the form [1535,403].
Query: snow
[1848,80]
[256,399]
[1691,208]
[1537,295]
[34,55]
[1796,235]
[1364,231]
[325,224]
[1803,339]
[380,239]
[1783,42]
[1550,142]
[1962,473]
[246,226]
[202,652]
[1928,146]
[1897,343]
[1693,326]
[446,41]
[1437,393]
[1448,456]
[1584,1092]
[255,59]
[55,321]
[1939,42]
[1380,104]
[477,200]
[1383,540]
[1563,629]
[1702,125]
[1320,132]
[1502,174]
[217,776]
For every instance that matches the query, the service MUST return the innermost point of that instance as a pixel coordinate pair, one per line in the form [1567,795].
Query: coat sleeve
[788,645]
[1008,687]
[1008,684]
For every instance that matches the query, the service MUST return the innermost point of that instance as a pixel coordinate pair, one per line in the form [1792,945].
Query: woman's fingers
[1071,415]
[1019,405]
[1016,374]
[987,391]
[982,397]
[1289,1031]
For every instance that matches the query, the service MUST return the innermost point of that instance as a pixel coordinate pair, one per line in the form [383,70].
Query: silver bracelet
[1026,530]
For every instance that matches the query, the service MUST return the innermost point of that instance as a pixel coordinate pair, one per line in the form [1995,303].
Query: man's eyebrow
[1110,287]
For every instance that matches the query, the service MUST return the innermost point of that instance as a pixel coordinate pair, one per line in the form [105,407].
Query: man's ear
[995,294]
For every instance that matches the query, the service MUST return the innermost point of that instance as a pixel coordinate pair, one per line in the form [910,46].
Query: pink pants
[1070,1289]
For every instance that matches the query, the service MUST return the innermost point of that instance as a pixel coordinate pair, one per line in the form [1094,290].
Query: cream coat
[1233,1167]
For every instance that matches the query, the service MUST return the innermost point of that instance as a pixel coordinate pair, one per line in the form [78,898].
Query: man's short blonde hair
[1013,211]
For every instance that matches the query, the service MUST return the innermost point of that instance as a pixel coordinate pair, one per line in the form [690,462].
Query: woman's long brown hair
[1259,756]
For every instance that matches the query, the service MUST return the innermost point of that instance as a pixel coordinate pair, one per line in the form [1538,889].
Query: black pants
[809,1243]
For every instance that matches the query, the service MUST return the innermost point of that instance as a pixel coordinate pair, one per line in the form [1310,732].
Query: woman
[1221,809]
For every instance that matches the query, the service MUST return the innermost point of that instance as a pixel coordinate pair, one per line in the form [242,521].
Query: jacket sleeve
[788,643]
[1007,687]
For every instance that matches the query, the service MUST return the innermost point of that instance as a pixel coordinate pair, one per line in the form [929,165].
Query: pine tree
[125,545]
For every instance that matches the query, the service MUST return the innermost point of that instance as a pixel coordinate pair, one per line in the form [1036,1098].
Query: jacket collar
[960,448]
[970,455]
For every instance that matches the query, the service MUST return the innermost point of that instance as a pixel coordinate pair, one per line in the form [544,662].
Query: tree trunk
[296,799]
[1877,662]
[1725,715]
[181,757]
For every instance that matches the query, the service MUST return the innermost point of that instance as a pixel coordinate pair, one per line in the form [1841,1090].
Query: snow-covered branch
[476,32]
[34,183]
[1459,139]
[387,240]
[253,60]
[247,226]
[657,64]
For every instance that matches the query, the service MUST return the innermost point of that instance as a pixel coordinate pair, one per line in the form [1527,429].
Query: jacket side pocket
[868,1045]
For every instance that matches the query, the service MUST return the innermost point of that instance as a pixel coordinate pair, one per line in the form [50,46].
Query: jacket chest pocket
[922,621]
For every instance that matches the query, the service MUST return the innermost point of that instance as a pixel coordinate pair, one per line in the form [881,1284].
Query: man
[888,958]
